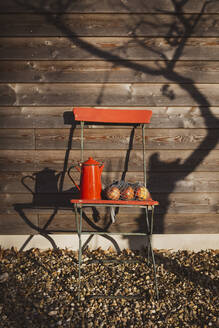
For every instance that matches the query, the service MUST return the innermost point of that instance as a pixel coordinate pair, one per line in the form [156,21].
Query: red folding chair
[118,116]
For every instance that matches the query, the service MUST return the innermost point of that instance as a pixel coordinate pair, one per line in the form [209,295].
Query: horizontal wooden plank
[110,49]
[168,224]
[109,25]
[121,138]
[187,203]
[61,117]
[114,160]
[47,181]
[87,94]
[17,139]
[115,6]
[18,117]
[24,160]
[104,71]
[175,203]
[13,224]
[165,182]
[8,202]
[187,223]
[12,182]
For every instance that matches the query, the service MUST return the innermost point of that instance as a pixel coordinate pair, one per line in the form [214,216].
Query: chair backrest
[90,114]
[119,116]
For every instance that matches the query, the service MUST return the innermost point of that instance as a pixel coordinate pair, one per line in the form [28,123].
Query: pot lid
[91,161]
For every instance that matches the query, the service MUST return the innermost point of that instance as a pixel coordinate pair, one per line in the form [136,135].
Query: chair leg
[79,229]
[150,248]
[148,231]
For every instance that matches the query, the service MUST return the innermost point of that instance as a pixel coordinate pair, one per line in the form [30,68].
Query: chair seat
[149,202]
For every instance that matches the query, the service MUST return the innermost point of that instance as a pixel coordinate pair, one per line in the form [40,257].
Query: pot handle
[69,170]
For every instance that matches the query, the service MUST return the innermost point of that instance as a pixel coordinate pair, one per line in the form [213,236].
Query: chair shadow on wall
[178,32]
[49,190]
[48,195]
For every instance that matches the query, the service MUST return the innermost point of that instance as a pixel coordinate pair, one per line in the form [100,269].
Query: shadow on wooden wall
[177,36]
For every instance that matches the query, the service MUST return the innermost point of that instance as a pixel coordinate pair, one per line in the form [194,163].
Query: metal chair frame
[127,117]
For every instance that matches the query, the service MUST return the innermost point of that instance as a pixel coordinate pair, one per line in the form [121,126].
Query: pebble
[3,277]
[40,289]
[51,313]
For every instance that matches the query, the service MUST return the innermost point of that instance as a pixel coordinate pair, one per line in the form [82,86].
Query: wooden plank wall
[162,55]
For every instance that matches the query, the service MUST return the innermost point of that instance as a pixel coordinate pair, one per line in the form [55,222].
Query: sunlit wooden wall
[160,55]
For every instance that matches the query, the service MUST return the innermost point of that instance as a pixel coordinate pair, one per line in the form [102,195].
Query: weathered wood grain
[160,55]
[17,139]
[12,224]
[8,202]
[109,25]
[170,224]
[12,182]
[198,202]
[104,71]
[110,49]
[18,117]
[23,182]
[114,160]
[88,94]
[175,203]
[188,223]
[121,138]
[195,182]
[108,6]
[61,117]
[17,160]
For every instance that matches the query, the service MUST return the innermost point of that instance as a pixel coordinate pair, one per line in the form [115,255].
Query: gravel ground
[40,289]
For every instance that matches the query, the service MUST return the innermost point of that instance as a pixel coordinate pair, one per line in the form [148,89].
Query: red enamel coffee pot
[90,181]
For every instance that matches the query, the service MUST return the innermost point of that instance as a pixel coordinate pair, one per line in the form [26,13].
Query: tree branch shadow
[176,38]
